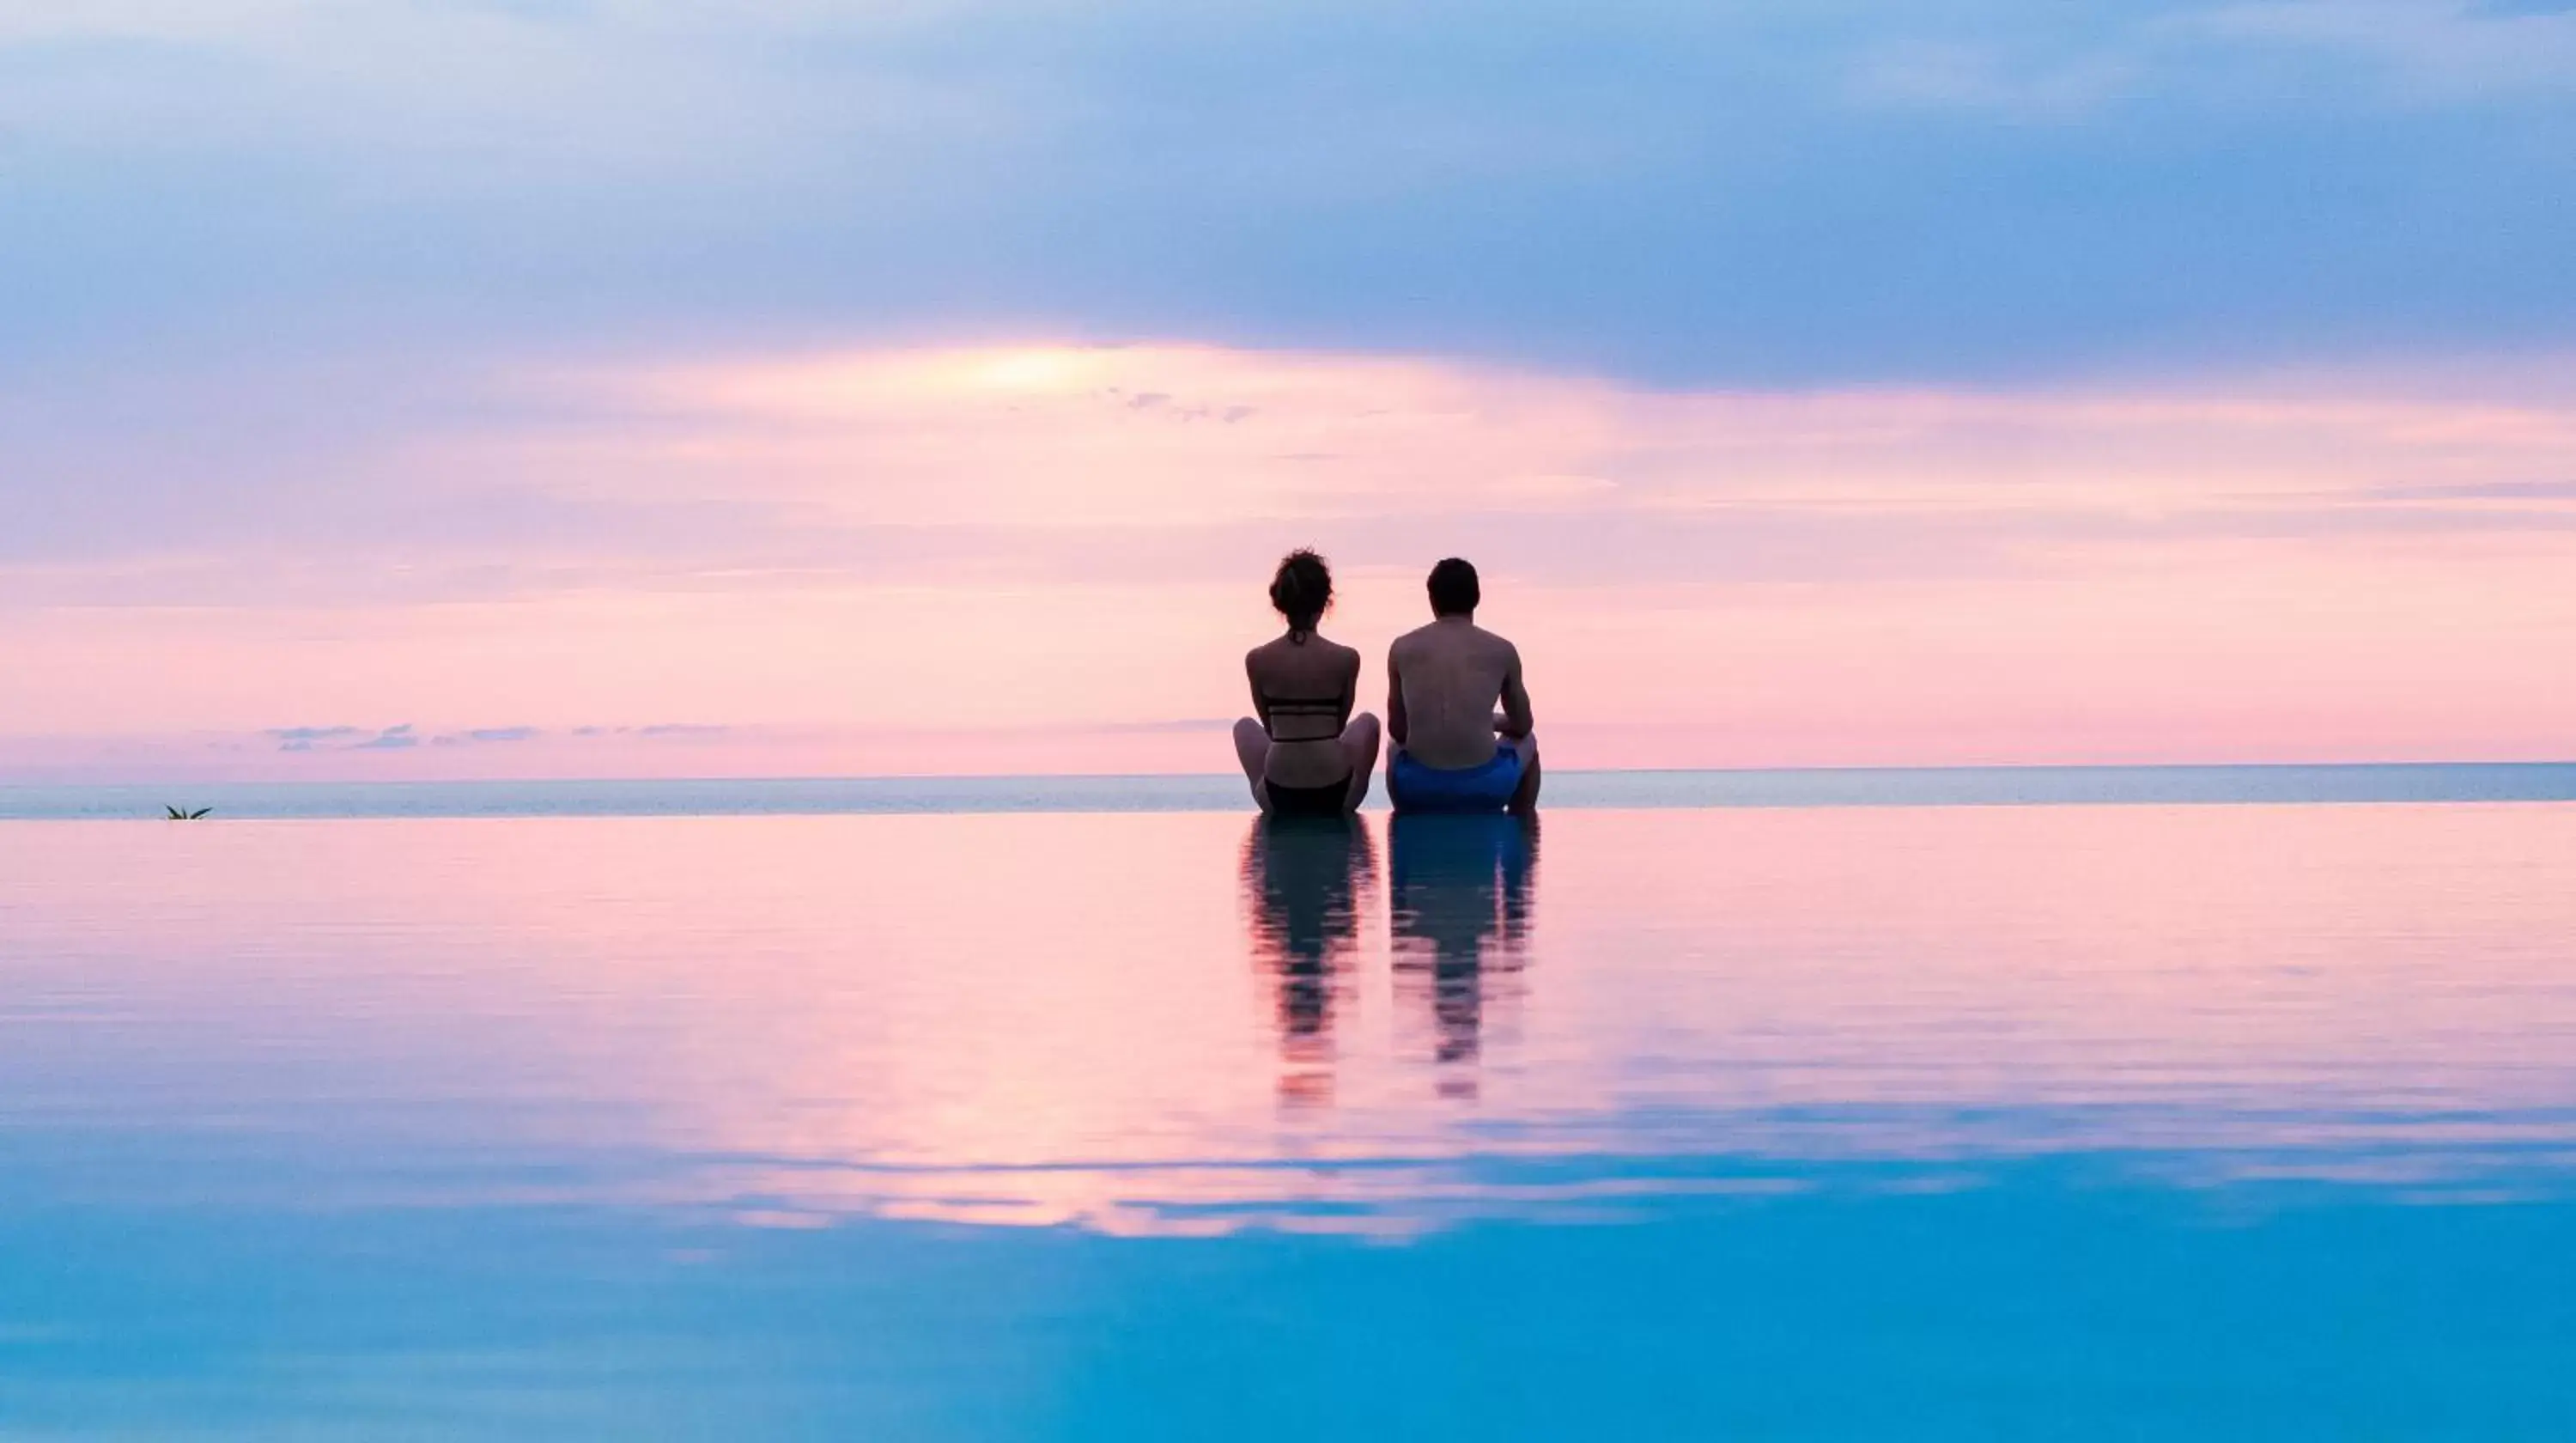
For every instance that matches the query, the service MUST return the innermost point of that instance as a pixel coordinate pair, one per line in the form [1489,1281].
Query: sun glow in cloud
[1033,557]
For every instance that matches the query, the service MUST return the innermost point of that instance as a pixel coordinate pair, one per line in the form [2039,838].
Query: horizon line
[800,778]
[2160,784]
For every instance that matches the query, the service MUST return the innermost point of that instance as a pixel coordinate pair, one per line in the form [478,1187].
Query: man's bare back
[1444,682]
[1454,751]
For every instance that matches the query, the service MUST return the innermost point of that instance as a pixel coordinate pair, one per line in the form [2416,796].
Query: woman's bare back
[1303,690]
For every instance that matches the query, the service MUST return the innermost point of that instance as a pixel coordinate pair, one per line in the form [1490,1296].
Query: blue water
[830,796]
[1948,1122]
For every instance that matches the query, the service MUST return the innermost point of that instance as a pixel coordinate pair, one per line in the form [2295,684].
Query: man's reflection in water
[1305,880]
[1461,916]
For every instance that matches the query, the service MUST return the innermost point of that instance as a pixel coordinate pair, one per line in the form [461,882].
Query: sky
[601,387]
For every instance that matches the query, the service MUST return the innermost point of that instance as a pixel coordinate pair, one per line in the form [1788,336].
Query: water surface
[1566,789]
[2136,1121]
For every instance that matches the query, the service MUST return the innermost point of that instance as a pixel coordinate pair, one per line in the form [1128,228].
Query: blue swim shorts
[1414,787]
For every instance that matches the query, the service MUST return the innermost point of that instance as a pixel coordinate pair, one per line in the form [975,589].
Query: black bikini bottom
[1325,801]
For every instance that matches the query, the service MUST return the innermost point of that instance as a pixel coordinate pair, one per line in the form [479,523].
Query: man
[1452,752]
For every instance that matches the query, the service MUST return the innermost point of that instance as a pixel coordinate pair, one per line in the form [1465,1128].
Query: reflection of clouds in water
[1047,1019]
[1304,883]
[1460,915]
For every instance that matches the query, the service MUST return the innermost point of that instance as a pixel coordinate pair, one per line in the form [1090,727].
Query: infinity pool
[2204,1122]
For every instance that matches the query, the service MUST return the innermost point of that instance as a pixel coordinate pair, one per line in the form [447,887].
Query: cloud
[1751,194]
[393,738]
[1174,725]
[2441,48]
[479,736]
[305,739]
[1953,74]
[344,738]
[2539,491]
[2376,555]
[1025,465]
[408,736]
[166,21]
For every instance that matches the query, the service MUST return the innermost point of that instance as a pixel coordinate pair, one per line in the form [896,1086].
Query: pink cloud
[1004,559]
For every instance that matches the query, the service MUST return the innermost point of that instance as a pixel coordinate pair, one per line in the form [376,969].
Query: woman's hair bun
[1302,589]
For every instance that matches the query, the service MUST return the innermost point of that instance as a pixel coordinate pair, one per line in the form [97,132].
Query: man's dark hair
[1453,588]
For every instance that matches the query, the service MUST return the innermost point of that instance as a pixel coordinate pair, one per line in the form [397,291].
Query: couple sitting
[1308,755]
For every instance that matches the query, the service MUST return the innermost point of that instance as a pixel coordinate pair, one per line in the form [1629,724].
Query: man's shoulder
[1413,640]
[1469,640]
[1491,644]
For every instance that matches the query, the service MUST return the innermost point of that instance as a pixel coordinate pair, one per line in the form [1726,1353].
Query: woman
[1303,751]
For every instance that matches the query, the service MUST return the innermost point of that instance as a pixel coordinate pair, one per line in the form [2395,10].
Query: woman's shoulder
[1269,657]
[1315,645]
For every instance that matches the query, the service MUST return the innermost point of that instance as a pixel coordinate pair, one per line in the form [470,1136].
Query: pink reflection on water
[1459,923]
[1051,1018]
[1308,887]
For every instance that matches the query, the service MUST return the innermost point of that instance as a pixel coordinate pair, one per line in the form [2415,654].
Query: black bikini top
[1274,707]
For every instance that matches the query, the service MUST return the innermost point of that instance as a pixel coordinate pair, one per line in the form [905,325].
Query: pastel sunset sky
[418,388]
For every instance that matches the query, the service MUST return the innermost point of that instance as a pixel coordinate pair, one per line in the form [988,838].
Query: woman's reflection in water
[1305,883]
[1461,917]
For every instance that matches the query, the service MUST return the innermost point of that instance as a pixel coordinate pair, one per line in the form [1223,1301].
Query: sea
[2206,1103]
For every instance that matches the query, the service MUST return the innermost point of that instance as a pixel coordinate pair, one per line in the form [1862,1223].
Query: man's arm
[1515,722]
[1396,721]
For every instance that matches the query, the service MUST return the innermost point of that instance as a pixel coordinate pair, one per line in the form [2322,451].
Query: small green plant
[180,814]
